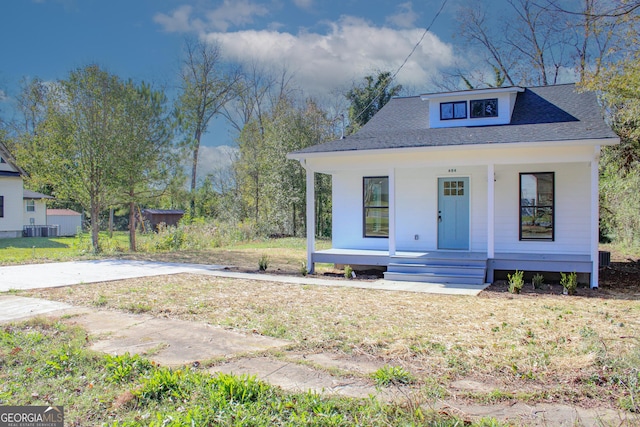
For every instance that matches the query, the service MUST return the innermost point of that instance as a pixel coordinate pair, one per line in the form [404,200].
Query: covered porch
[492,181]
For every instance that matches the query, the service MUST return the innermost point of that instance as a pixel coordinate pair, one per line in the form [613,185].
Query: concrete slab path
[170,342]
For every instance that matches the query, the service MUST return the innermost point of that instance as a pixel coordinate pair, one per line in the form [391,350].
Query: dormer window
[453,110]
[476,107]
[484,108]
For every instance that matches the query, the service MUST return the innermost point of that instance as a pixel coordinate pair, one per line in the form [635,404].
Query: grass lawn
[535,347]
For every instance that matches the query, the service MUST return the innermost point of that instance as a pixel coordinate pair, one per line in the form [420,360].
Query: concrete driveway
[51,275]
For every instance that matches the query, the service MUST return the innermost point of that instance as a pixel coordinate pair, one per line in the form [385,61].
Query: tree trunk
[111,223]
[132,226]
[194,170]
[95,226]
[293,222]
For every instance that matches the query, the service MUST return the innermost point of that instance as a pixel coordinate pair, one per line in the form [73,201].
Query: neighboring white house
[35,208]
[20,210]
[450,187]
[11,196]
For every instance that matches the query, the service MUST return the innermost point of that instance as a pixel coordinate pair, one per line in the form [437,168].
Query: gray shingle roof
[546,113]
[28,194]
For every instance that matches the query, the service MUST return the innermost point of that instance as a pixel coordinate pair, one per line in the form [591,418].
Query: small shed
[67,220]
[155,217]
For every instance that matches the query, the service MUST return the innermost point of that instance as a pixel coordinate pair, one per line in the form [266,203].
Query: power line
[393,76]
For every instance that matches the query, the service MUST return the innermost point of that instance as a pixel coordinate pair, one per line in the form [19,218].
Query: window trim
[453,111]
[471,115]
[31,204]
[365,207]
[552,206]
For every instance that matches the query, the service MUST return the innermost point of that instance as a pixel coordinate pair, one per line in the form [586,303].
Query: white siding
[416,208]
[416,196]
[39,215]
[572,209]
[11,223]
[347,231]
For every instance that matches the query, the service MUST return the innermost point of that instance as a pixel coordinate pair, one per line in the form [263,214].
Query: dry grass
[548,347]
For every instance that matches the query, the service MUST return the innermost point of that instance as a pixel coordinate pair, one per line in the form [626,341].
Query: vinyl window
[376,206]
[537,206]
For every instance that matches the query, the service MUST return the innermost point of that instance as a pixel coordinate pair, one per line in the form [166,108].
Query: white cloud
[229,14]
[177,21]
[405,17]
[215,161]
[351,47]
[3,95]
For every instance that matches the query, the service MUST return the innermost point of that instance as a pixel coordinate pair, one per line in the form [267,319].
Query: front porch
[461,267]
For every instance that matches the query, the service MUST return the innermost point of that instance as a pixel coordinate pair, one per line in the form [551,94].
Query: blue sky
[326,44]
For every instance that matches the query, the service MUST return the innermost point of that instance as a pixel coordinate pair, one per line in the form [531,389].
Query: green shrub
[263,262]
[348,272]
[537,281]
[569,283]
[303,269]
[126,367]
[392,375]
[516,281]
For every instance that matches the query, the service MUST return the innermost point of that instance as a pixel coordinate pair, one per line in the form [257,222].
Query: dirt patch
[621,280]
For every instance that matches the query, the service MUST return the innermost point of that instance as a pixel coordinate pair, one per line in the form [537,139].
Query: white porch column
[311,217]
[491,218]
[392,211]
[491,210]
[595,216]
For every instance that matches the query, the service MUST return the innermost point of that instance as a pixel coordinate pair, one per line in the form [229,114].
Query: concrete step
[434,278]
[446,269]
[437,261]
[439,267]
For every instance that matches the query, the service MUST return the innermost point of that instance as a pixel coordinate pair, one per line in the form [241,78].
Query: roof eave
[487,146]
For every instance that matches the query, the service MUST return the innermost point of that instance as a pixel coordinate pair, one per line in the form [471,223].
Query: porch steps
[441,267]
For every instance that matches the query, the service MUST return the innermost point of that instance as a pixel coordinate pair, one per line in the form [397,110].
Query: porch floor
[382,258]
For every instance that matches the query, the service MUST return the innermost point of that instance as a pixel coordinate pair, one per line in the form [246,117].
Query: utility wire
[444,2]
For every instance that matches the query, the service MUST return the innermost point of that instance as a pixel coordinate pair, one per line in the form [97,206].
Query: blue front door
[453,213]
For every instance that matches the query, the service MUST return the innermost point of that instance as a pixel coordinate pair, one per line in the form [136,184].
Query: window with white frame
[31,205]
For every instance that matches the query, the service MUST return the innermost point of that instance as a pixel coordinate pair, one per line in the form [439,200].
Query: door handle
[439,216]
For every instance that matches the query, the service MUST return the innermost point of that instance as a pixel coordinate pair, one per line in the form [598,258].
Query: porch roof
[541,114]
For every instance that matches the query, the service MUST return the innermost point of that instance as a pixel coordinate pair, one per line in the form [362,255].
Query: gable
[7,165]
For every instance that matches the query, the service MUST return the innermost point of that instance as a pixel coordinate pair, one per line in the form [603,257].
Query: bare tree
[539,41]
[206,86]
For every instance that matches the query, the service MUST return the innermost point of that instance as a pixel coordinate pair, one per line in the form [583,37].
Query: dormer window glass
[453,110]
[484,108]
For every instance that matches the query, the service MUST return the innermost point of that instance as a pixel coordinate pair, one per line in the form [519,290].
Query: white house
[20,209]
[450,187]
[11,196]
[35,208]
